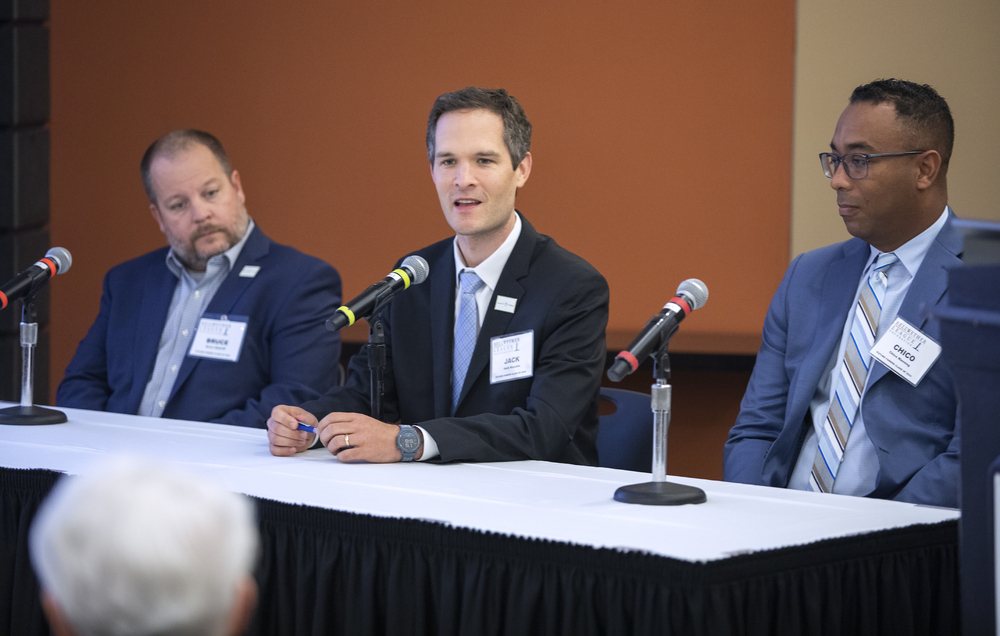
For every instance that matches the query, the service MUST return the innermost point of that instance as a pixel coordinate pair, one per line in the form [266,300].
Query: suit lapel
[835,302]
[442,317]
[158,287]
[229,292]
[929,284]
[496,322]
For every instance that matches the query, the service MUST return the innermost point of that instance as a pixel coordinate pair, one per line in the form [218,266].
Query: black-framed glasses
[855,163]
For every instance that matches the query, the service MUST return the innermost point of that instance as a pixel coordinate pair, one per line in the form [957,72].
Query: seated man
[135,550]
[497,287]
[220,327]
[822,412]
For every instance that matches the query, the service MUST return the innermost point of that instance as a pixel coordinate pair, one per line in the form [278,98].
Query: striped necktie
[850,381]
[466,333]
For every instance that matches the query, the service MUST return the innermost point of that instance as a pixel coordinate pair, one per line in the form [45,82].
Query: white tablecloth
[529,499]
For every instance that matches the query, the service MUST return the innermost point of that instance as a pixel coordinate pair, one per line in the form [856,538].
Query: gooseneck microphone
[412,271]
[691,295]
[56,261]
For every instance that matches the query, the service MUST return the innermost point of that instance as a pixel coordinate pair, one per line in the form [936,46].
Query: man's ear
[928,169]
[235,180]
[523,169]
[57,620]
[244,604]
[155,211]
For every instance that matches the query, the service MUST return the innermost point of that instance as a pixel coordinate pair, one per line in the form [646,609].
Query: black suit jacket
[549,416]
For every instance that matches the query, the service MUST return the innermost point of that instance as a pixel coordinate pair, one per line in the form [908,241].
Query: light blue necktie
[850,381]
[466,332]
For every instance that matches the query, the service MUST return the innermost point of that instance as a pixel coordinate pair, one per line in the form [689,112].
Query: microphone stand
[28,414]
[660,492]
[377,355]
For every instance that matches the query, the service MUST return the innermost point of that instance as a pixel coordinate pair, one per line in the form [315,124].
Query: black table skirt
[329,572]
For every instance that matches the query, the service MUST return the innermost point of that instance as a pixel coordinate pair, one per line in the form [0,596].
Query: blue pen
[307,428]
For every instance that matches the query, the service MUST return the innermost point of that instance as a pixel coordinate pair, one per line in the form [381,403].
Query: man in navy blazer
[534,367]
[888,165]
[221,326]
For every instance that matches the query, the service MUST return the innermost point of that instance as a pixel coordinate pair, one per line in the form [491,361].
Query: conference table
[511,548]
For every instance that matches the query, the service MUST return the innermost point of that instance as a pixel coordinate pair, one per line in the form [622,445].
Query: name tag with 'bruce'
[219,337]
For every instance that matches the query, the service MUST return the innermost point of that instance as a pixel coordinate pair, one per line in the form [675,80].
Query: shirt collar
[490,269]
[227,258]
[911,254]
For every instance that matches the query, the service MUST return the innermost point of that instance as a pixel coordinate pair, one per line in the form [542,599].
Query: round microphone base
[660,493]
[30,416]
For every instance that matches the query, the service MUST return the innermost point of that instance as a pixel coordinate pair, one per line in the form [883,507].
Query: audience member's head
[139,550]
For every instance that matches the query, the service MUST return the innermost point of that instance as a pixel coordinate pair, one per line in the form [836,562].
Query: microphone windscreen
[62,258]
[418,266]
[695,291]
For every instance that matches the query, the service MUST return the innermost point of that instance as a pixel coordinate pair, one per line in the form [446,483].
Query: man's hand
[283,430]
[352,436]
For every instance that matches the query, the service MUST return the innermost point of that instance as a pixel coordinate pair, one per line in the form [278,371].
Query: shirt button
[184,333]
[174,368]
[162,403]
[197,294]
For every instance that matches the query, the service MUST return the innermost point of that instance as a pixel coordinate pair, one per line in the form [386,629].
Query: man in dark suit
[498,355]
[221,326]
[890,433]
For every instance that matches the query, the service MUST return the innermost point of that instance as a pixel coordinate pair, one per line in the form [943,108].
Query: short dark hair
[922,110]
[516,127]
[172,143]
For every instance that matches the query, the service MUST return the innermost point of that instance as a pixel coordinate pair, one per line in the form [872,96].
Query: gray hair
[138,550]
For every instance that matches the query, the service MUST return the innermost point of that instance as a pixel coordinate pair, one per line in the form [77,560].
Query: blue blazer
[287,354]
[550,416]
[913,428]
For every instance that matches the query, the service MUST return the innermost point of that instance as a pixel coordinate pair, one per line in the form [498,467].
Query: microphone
[56,261]
[412,271]
[691,295]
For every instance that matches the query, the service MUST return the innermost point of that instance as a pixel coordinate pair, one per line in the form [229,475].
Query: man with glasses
[829,407]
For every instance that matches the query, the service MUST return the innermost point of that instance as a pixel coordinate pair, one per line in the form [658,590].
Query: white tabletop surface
[532,499]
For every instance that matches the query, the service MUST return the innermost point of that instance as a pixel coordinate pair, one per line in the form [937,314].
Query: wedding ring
[347,440]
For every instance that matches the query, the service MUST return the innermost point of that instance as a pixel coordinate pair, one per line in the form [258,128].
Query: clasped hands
[349,436]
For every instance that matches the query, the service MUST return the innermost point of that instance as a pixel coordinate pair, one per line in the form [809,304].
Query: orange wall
[663,133]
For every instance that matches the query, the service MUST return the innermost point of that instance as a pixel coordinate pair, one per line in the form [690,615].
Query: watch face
[409,441]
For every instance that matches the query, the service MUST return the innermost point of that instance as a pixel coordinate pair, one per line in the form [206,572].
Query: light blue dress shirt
[193,293]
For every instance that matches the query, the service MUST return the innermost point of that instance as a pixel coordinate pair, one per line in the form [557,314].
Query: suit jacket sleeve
[302,365]
[762,412]
[937,482]
[85,385]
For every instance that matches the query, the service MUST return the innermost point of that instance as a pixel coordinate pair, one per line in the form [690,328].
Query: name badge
[906,351]
[512,357]
[505,303]
[219,337]
[249,271]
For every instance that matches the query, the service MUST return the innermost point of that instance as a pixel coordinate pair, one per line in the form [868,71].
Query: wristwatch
[408,442]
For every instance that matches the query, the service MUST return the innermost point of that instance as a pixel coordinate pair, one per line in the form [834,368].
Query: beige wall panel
[953,46]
